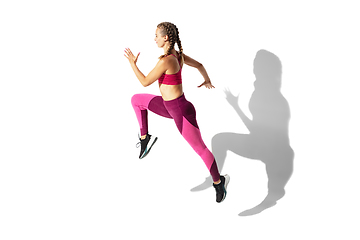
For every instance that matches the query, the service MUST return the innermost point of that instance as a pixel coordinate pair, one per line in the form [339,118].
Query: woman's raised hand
[130,56]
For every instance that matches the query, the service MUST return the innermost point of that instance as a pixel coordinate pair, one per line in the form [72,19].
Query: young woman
[172,103]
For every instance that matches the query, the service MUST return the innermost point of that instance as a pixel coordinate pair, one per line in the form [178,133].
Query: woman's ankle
[217,182]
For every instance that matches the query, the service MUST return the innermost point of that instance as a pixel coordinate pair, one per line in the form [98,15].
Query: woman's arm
[154,75]
[159,69]
[193,63]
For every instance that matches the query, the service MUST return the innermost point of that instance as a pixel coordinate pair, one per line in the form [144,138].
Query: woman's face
[160,40]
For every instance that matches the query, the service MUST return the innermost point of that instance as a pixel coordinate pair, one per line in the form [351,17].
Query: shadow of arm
[233,101]
[244,118]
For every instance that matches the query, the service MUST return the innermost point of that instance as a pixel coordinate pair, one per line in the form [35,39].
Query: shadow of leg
[269,201]
[279,170]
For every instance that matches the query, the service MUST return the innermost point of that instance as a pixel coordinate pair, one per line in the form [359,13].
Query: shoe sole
[227,180]
[150,144]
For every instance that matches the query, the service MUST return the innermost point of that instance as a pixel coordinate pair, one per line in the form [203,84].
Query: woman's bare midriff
[170,92]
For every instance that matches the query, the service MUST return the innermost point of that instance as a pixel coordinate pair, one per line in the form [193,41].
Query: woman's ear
[166,38]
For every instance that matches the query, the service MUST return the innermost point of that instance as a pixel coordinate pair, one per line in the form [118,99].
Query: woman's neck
[171,52]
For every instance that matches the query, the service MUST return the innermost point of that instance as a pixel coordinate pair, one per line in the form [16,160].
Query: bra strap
[177,59]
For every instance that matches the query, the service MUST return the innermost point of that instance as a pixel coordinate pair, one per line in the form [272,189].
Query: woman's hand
[130,56]
[207,84]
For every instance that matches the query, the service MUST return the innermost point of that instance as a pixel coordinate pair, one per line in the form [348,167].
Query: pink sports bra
[171,79]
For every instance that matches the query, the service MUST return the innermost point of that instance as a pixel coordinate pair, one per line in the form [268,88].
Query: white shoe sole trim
[227,180]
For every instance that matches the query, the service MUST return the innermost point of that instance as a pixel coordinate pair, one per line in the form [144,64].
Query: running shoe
[221,188]
[146,145]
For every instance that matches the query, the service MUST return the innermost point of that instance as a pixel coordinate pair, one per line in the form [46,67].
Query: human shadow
[268,140]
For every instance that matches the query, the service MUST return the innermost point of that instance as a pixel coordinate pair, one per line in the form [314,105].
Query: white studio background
[69,168]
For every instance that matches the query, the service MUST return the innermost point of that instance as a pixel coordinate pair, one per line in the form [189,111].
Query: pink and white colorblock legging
[184,115]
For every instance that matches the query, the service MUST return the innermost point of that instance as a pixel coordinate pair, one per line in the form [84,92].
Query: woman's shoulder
[172,59]
[166,59]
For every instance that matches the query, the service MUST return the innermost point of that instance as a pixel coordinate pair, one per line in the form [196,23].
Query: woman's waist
[171,92]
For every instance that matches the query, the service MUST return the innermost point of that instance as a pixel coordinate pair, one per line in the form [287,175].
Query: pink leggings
[184,115]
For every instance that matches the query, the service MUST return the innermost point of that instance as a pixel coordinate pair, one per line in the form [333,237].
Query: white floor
[68,161]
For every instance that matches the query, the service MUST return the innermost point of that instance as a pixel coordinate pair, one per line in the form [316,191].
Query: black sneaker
[146,145]
[221,188]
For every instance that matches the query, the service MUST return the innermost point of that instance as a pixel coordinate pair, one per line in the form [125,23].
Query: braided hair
[167,28]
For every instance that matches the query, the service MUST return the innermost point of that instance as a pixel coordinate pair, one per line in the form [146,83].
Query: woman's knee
[135,99]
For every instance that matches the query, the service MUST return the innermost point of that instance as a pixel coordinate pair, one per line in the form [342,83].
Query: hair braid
[172,31]
[172,39]
[178,42]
